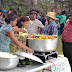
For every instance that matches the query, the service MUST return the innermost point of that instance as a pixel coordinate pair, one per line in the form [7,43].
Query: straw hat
[52,15]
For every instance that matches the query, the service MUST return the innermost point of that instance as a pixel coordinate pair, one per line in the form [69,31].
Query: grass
[59,46]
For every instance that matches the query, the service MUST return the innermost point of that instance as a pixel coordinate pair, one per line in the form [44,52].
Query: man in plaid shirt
[51,27]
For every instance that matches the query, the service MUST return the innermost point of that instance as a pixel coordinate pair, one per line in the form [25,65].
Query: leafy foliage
[24,6]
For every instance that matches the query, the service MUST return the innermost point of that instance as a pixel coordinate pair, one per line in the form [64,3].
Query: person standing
[34,26]
[22,23]
[51,27]
[67,40]
[43,20]
[53,10]
[62,18]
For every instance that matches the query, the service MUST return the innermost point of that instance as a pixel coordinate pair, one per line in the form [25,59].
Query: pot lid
[30,56]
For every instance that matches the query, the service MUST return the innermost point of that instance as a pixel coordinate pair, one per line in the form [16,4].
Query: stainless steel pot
[43,45]
[8,63]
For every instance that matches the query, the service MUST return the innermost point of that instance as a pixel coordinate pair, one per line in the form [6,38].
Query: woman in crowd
[67,40]
[22,23]
[7,35]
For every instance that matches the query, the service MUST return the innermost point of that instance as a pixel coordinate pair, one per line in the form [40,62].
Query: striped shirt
[50,29]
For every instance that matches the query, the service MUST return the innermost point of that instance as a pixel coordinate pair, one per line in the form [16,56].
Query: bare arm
[16,29]
[12,37]
[19,29]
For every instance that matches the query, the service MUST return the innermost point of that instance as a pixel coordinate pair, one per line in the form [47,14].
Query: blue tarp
[4,11]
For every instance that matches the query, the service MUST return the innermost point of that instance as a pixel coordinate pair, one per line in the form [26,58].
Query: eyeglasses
[48,17]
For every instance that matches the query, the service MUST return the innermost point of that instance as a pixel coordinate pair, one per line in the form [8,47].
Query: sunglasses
[33,13]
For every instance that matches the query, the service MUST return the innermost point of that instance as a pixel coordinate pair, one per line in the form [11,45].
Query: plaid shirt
[50,29]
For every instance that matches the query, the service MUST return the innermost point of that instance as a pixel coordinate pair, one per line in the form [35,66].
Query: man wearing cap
[51,27]
[34,25]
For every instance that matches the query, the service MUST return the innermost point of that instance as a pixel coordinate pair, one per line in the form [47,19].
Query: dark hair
[3,16]
[37,11]
[42,16]
[32,10]
[22,18]
[52,9]
[63,12]
[10,17]
[15,12]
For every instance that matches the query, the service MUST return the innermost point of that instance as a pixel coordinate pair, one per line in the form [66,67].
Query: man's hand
[39,30]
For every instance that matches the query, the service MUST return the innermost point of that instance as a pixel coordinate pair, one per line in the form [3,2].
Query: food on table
[7,55]
[42,36]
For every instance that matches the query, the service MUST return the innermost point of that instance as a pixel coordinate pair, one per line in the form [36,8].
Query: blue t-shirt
[5,40]
[38,17]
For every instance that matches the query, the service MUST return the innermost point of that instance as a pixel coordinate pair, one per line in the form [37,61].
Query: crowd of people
[17,28]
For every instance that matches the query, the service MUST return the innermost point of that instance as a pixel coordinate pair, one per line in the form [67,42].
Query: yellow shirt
[22,38]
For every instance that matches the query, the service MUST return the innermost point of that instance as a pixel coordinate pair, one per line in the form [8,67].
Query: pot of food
[43,43]
[8,61]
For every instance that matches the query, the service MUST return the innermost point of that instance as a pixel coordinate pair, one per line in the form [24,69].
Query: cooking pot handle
[30,38]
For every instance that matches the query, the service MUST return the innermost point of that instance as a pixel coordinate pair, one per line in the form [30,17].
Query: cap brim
[34,12]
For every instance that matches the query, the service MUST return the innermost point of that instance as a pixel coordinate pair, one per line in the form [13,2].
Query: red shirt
[67,32]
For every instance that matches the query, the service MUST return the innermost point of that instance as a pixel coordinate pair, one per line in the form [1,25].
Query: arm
[58,16]
[19,29]
[16,29]
[40,24]
[12,37]
[40,27]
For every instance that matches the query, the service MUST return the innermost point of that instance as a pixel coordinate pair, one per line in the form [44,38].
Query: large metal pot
[8,63]
[43,45]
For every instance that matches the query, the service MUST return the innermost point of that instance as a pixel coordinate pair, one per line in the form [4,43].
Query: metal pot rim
[9,58]
[41,39]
